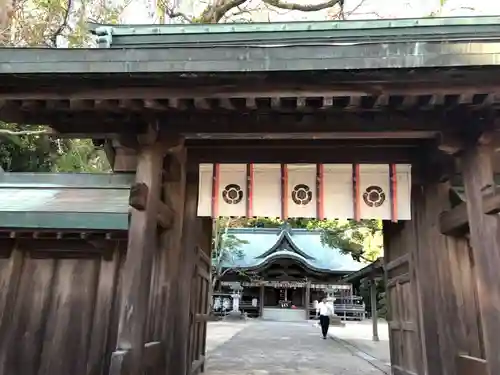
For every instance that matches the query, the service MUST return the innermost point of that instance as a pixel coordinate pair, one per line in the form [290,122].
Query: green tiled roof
[270,47]
[299,32]
[64,201]
[265,245]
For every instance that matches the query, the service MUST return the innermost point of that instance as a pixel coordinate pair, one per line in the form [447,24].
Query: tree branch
[63,25]
[303,8]
[215,12]
[26,132]
[171,13]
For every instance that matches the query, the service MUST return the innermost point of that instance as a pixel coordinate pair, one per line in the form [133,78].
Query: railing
[346,311]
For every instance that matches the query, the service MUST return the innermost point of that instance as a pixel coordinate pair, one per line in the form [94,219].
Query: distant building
[286,270]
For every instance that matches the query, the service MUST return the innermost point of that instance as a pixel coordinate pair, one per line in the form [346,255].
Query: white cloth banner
[325,191]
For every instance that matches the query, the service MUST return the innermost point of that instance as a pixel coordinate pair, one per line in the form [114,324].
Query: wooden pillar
[438,300]
[261,302]
[174,186]
[136,273]
[478,179]
[179,361]
[308,299]
[373,302]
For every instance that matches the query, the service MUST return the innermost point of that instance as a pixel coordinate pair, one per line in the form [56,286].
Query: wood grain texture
[137,269]
[484,233]
[56,310]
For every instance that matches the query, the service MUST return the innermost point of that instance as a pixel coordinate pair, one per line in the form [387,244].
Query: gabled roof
[285,243]
[266,245]
[64,201]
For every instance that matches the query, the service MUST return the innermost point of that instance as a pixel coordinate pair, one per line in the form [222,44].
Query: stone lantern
[236,289]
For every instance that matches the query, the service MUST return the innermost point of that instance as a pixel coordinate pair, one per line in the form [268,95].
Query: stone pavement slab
[357,337]
[275,348]
[220,332]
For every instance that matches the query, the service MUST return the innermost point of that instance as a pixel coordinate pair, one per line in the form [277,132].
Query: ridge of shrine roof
[266,245]
[455,42]
[297,33]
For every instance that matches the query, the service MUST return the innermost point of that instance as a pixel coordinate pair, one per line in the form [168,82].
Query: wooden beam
[449,143]
[484,238]
[456,221]
[382,155]
[332,84]
[261,121]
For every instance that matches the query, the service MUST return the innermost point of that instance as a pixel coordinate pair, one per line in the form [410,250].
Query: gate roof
[386,81]
[64,201]
[295,46]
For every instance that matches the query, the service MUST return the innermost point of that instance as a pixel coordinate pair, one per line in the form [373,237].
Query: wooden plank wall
[58,307]
[441,299]
[114,308]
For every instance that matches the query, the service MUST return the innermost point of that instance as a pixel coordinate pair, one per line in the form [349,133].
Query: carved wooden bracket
[455,221]
[138,196]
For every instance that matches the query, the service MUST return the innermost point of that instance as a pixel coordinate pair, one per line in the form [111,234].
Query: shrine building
[284,270]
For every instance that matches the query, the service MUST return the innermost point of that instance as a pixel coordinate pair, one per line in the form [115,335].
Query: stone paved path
[273,348]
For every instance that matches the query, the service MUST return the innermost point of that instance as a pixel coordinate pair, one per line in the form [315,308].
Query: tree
[226,249]
[49,23]
[361,239]
[231,10]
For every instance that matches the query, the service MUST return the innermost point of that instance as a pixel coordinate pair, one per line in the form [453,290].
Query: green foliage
[50,23]
[226,248]
[80,155]
[361,239]
[26,153]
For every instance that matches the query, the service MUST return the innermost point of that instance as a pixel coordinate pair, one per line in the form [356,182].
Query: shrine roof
[266,245]
[63,201]
[293,46]
[296,33]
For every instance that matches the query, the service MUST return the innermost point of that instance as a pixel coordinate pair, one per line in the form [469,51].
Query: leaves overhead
[49,24]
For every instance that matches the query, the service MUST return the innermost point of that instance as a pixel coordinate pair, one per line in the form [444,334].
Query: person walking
[324,311]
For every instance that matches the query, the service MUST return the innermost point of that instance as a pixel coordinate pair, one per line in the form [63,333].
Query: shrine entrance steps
[272,348]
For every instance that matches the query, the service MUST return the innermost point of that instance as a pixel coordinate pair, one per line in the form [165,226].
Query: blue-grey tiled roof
[265,244]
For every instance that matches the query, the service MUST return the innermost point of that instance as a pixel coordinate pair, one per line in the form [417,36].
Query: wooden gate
[199,306]
[406,356]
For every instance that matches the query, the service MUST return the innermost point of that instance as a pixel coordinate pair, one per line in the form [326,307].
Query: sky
[139,12]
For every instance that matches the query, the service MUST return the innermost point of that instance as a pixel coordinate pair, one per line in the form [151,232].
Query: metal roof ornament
[104,36]
[286,227]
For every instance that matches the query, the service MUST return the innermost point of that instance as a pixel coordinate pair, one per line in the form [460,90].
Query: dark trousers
[324,321]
